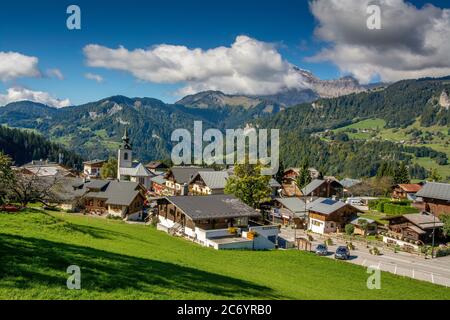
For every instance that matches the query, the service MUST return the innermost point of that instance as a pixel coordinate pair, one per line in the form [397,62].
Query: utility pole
[432,241]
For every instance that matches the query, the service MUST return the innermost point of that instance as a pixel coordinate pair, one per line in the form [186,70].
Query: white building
[128,170]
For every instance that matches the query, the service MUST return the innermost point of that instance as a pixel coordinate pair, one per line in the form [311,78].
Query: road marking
[432,278]
[364,262]
[395,270]
[413,274]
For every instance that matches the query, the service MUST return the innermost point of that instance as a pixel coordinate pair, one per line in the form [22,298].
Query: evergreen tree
[401,175]
[304,176]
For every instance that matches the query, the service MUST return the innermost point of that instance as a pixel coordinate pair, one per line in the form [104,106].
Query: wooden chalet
[435,198]
[406,191]
[416,227]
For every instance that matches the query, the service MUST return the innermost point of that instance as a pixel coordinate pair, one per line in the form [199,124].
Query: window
[125,156]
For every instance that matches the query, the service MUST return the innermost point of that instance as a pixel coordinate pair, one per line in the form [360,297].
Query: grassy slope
[121,261]
[398,135]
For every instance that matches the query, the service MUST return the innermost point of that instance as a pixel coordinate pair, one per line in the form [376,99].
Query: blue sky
[39,30]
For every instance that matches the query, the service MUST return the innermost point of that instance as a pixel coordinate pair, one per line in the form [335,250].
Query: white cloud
[248,66]
[93,76]
[55,73]
[15,65]
[20,94]
[413,42]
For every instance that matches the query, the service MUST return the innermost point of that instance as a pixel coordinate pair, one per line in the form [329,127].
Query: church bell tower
[124,157]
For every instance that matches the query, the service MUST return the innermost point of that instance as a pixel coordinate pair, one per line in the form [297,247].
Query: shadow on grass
[27,263]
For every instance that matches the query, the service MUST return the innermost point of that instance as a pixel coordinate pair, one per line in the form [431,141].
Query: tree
[28,188]
[401,174]
[434,176]
[109,169]
[249,185]
[446,220]
[349,229]
[280,172]
[304,176]
[7,177]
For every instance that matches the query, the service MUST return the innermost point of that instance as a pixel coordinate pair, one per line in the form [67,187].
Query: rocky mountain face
[312,89]
[444,100]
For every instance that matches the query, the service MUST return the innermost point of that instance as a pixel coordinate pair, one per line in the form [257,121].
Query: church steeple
[126,140]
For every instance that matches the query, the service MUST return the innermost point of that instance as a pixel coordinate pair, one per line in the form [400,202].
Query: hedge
[395,209]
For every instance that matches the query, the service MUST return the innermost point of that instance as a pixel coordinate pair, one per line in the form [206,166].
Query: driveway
[404,264]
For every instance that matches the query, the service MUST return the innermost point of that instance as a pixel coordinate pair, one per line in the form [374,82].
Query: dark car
[342,253]
[321,250]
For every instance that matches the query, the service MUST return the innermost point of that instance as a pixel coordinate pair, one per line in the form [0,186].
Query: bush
[349,229]
[328,242]
[350,246]
[375,251]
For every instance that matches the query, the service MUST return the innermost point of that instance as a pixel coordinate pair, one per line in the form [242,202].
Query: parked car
[321,250]
[342,253]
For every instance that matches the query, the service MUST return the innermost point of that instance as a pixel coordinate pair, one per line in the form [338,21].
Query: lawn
[123,261]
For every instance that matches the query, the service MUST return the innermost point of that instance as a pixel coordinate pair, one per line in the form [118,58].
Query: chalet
[435,198]
[45,168]
[406,191]
[289,178]
[330,216]
[217,221]
[156,166]
[208,182]
[289,210]
[123,199]
[158,187]
[178,179]
[127,169]
[91,169]
[323,188]
[412,227]
[364,226]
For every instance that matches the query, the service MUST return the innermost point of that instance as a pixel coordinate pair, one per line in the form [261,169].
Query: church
[127,169]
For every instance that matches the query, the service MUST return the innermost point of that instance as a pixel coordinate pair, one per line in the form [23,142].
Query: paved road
[432,270]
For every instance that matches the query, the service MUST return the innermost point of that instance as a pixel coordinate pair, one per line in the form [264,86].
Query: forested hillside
[310,130]
[24,146]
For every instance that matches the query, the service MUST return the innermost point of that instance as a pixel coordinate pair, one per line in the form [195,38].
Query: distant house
[289,210]
[45,168]
[178,179]
[91,169]
[156,166]
[159,186]
[217,221]
[330,216]
[124,199]
[415,227]
[289,179]
[208,182]
[323,188]
[435,198]
[364,226]
[406,191]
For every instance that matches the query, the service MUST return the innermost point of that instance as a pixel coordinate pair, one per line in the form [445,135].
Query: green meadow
[126,261]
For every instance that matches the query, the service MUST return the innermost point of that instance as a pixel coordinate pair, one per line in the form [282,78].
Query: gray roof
[348,183]
[435,190]
[293,204]
[138,170]
[214,206]
[274,183]
[357,221]
[423,221]
[313,185]
[183,175]
[159,179]
[113,191]
[97,184]
[326,206]
[121,192]
[96,161]
[213,179]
